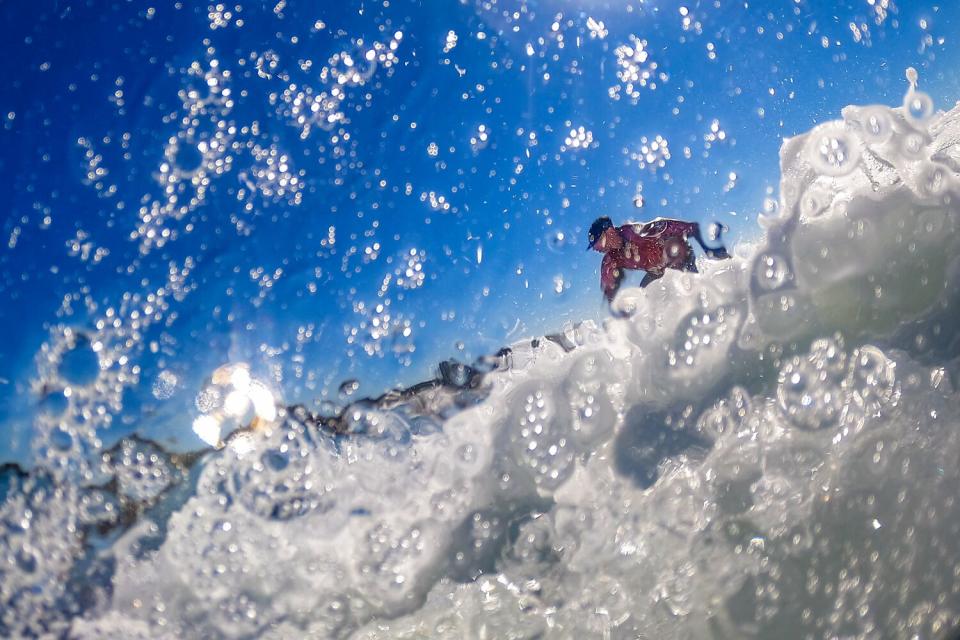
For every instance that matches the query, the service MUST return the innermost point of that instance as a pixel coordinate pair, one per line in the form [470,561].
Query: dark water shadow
[651,437]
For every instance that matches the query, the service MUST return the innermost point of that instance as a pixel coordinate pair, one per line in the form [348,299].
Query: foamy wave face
[767,449]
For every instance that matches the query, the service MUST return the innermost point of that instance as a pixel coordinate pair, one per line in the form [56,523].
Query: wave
[766,449]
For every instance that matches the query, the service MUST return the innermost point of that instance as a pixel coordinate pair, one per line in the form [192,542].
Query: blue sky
[456,156]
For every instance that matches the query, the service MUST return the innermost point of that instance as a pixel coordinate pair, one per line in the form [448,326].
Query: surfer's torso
[652,246]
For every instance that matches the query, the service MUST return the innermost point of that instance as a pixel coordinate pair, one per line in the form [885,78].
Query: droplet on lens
[918,107]
[832,151]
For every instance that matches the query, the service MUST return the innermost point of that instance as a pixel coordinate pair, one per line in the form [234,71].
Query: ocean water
[765,449]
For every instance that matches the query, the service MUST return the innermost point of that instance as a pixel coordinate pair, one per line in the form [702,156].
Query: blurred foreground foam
[767,449]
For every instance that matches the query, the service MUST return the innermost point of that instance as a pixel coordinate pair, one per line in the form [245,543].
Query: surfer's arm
[636,231]
[611,275]
[669,227]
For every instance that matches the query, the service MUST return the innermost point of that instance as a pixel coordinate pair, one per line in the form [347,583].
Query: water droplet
[770,207]
[285,479]
[61,439]
[165,385]
[209,399]
[933,180]
[810,388]
[26,560]
[700,334]
[79,364]
[348,387]
[814,202]
[726,416]
[673,248]
[918,107]
[467,453]
[539,438]
[557,240]
[54,402]
[832,151]
[559,284]
[910,73]
[876,127]
[913,146]
[873,377]
[143,470]
[772,271]
[188,157]
[98,507]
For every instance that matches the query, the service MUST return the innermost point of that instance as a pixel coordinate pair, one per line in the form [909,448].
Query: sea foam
[765,449]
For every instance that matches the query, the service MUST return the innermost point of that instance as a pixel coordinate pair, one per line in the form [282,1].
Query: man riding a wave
[653,247]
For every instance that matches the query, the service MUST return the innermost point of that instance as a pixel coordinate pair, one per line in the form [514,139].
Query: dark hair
[599,225]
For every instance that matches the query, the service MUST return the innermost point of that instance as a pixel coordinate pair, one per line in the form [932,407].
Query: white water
[766,449]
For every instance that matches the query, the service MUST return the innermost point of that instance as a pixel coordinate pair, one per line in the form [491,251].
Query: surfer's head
[603,235]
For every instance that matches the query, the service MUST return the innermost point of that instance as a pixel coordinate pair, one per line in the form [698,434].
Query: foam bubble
[913,146]
[876,125]
[814,202]
[142,469]
[832,150]
[284,476]
[934,180]
[165,385]
[918,108]
[726,416]
[772,271]
[79,364]
[539,439]
[809,387]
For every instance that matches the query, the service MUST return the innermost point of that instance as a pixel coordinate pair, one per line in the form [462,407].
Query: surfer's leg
[718,253]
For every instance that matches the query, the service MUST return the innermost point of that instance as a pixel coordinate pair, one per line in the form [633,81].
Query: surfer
[653,247]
